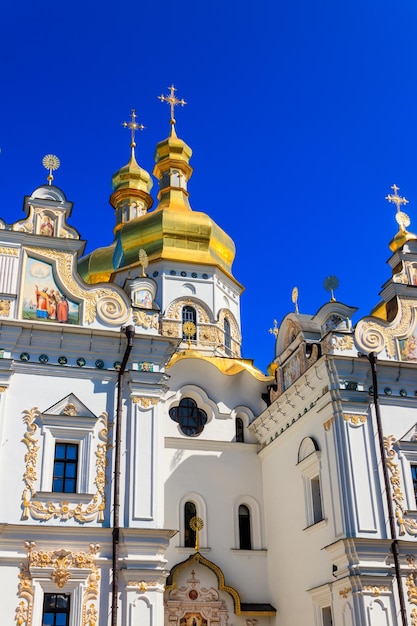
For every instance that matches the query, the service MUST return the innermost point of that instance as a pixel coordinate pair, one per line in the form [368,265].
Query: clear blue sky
[300,114]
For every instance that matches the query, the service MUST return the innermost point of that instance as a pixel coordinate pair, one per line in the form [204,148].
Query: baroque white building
[150,475]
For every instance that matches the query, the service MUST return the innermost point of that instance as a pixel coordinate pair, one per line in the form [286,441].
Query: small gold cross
[172,101]
[275,330]
[402,218]
[134,126]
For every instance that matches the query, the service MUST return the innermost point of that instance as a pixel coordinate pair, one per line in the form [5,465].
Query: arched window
[189,315]
[227,336]
[190,511]
[245,542]
[239,430]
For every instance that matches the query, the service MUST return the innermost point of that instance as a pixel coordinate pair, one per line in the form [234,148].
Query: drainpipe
[130,333]
[394,541]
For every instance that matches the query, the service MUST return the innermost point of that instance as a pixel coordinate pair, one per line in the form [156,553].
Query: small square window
[65,468]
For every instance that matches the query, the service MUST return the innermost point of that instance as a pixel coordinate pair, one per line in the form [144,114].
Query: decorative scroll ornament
[404,523]
[373,336]
[94,510]
[101,302]
[140,318]
[60,565]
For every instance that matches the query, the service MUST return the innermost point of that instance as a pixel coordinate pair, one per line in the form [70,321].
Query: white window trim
[201,510]
[321,597]
[73,588]
[67,429]
[310,469]
[255,522]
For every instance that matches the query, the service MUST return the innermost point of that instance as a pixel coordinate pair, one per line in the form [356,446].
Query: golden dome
[401,238]
[173,231]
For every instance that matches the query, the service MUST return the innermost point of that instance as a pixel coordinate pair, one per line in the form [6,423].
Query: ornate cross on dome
[172,101]
[402,218]
[134,126]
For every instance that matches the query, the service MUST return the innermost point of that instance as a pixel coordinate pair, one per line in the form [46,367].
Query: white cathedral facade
[149,475]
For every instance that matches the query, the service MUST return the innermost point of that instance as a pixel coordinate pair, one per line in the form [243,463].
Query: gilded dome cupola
[131,184]
[170,232]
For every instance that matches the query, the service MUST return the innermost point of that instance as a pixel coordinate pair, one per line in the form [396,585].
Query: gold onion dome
[172,231]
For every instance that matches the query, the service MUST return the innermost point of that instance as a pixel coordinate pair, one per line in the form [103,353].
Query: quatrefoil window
[189,417]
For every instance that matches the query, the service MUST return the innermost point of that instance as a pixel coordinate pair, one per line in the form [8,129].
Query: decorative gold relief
[343,593]
[60,565]
[328,424]
[9,251]
[171,329]
[144,586]
[140,318]
[69,409]
[343,343]
[354,419]
[404,523]
[410,581]
[145,403]
[94,510]
[5,308]
[376,591]
[3,389]
[24,610]
[101,302]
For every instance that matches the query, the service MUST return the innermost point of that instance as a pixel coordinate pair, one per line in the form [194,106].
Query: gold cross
[402,218]
[172,101]
[275,330]
[134,126]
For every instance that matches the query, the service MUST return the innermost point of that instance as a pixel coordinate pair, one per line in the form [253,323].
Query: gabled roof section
[70,406]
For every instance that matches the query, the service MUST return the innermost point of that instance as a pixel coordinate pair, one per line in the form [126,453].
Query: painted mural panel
[408,348]
[42,299]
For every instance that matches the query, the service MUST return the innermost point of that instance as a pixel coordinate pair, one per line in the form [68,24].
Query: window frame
[255,523]
[73,430]
[201,510]
[187,308]
[67,463]
[310,468]
[245,527]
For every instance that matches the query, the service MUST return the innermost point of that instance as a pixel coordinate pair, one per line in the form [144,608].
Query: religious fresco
[42,299]
[408,348]
[143,298]
[193,619]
